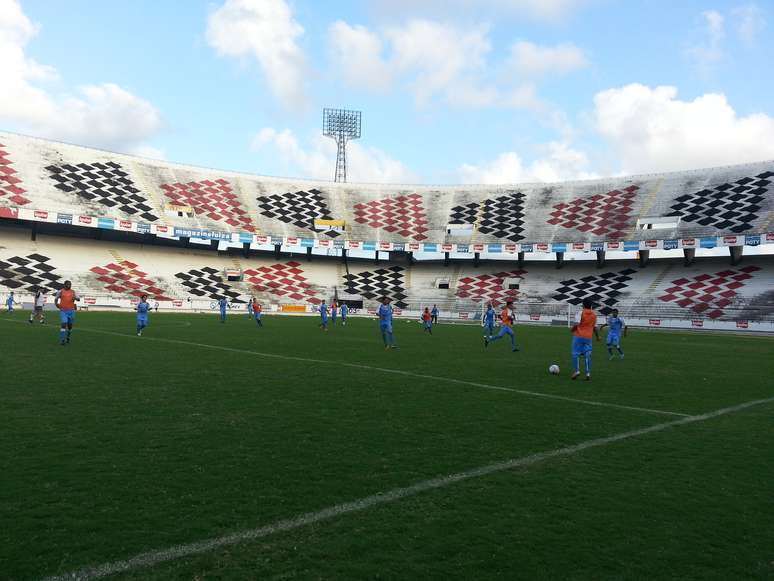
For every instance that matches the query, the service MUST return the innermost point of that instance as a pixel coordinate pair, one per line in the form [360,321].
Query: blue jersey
[385,315]
[143,309]
[434,312]
[616,325]
[344,310]
[489,317]
[324,311]
[10,301]
[222,303]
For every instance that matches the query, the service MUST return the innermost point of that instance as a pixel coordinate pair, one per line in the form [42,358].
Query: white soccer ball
[553,369]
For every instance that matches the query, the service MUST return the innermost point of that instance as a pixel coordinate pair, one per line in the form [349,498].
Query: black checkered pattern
[603,289]
[503,216]
[730,207]
[29,273]
[207,282]
[104,183]
[299,208]
[384,282]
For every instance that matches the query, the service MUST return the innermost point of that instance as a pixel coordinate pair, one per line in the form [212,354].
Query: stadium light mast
[342,125]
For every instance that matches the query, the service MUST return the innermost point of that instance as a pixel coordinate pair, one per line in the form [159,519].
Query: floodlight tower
[342,125]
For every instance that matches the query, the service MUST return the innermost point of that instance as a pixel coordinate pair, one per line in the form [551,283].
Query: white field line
[152,558]
[395,372]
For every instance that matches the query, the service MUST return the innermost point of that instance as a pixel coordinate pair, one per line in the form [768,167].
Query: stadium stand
[107,273]
[88,184]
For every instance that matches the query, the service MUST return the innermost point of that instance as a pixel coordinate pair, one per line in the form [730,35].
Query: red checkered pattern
[488,287]
[282,280]
[214,199]
[9,182]
[402,214]
[708,294]
[125,278]
[606,215]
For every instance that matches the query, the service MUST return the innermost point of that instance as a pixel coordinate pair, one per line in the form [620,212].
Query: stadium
[259,377]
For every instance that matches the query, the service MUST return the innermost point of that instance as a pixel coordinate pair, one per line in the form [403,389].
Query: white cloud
[531,60]
[436,60]
[543,10]
[709,51]
[559,162]
[266,31]
[750,22]
[104,115]
[652,130]
[318,160]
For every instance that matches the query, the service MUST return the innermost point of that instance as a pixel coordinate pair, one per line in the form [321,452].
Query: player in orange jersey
[507,317]
[65,302]
[427,319]
[582,330]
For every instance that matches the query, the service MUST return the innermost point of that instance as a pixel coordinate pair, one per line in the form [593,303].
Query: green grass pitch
[118,445]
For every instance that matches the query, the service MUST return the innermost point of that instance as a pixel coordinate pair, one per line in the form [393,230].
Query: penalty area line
[398,372]
[158,557]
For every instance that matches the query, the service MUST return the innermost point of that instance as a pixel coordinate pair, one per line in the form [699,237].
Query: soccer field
[223,451]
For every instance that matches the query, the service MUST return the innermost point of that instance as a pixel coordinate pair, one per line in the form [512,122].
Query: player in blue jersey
[385,323]
[223,304]
[323,316]
[488,320]
[616,329]
[344,313]
[507,318]
[142,308]
[250,308]
[10,302]
[434,315]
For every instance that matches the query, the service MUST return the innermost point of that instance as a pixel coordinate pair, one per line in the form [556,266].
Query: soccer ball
[553,369]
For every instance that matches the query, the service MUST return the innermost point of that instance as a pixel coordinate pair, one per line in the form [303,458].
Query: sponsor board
[430,247]
[689,243]
[731,240]
[413,246]
[510,248]
[106,223]
[463,248]
[651,244]
[709,242]
[597,246]
[447,247]
[371,311]
[161,228]
[769,236]
[527,248]
[124,225]
[579,246]
[385,246]
[369,245]
[396,311]
[613,245]
[64,218]
[463,315]
[541,247]
[630,245]
[291,241]
[86,220]
[263,240]
[245,238]
[742,324]
[323,225]
[40,215]
[398,247]
[534,317]
[558,248]
[177,304]
[90,301]
[478,247]
[324,243]
[354,244]
[293,308]
[143,228]
[9,212]
[495,248]
[307,242]
[697,323]
[670,244]
[654,322]
[338,244]
[752,240]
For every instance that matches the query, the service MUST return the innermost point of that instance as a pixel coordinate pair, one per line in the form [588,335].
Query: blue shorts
[613,339]
[258,315]
[428,325]
[505,330]
[324,320]
[580,346]
[67,317]
[385,327]
[142,320]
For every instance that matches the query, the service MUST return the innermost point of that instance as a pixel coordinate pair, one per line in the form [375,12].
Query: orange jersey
[506,317]
[66,299]
[257,308]
[426,316]
[587,324]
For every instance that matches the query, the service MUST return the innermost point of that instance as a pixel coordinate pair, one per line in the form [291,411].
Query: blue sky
[459,91]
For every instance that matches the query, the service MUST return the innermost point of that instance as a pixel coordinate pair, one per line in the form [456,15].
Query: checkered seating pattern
[383,282]
[404,214]
[29,273]
[125,278]
[608,215]
[282,280]
[604,289]
[488,287]
[207,283]
[10,190]
[502,217]
[214,199]
[107,184]
[298,208]
[729,206]
[708,294]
